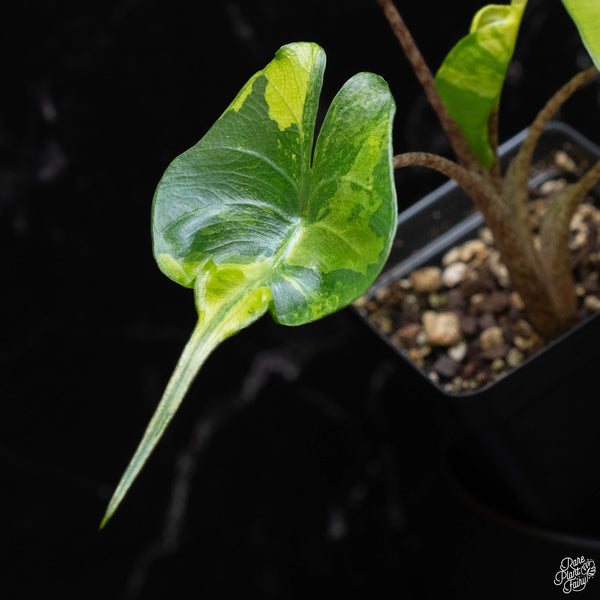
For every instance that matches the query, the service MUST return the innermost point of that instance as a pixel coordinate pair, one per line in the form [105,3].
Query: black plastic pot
[492,555]
[530,442]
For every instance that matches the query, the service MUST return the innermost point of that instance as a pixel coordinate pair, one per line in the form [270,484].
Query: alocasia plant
[465,93]
[255,219]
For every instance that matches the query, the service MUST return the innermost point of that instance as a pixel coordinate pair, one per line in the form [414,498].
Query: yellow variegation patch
[184,273]
[288,78]
[243,94]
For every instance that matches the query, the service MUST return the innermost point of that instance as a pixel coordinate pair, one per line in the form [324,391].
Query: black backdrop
[296,465]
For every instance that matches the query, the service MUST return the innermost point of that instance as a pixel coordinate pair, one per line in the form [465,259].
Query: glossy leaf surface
[246,194]
[471,77]
[253,222]
[586,16]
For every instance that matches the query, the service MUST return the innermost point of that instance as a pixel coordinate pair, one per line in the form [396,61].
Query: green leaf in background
[586,16]
[254,223]
[471,77]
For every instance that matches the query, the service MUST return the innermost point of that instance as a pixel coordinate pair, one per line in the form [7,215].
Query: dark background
[296,466]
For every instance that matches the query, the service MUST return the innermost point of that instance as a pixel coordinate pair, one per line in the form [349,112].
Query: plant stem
[227,300]
[475,185]
[495,173]
[554,243]
[192,358]
[542,278]
[525,155]
[423,73]
[590,179]
[565,203]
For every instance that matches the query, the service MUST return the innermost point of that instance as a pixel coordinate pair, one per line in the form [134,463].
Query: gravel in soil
[460,321]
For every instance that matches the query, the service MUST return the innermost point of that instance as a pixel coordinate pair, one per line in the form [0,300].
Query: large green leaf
[253,222]
[586,16]
[471,77]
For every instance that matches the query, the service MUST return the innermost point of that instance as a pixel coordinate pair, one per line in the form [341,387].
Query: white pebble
[442,329]
[454,274]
